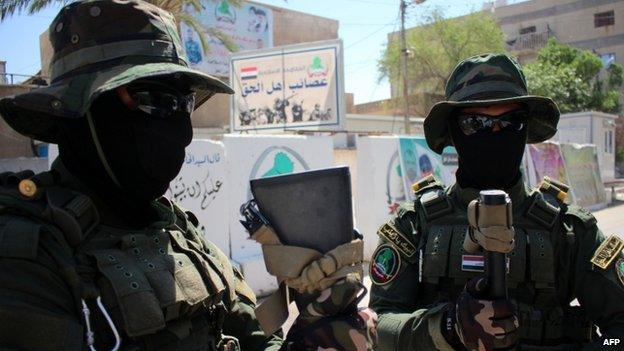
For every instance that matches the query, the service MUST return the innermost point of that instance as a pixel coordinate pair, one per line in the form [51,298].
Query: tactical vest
[445,267]
[164,289]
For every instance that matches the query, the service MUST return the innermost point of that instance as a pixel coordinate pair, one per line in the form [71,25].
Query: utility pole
[404,68]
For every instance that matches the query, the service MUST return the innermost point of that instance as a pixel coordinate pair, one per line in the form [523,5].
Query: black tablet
[309,209]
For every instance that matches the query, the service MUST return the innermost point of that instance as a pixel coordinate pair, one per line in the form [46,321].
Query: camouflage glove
[482,324]
[333,321]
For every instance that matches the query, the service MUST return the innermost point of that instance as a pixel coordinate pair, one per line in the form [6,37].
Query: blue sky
[364,25]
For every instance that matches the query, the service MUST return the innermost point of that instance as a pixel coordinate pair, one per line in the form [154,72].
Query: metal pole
[404,67]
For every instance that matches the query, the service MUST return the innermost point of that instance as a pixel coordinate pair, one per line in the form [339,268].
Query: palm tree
[176,7]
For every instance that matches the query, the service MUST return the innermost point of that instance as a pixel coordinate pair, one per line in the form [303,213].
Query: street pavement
[610,221]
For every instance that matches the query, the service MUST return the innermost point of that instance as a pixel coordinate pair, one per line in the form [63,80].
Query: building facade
[595,25]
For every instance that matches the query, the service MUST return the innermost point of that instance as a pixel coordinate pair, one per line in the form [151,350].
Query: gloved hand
[333,321]
[483,324]
[494,234]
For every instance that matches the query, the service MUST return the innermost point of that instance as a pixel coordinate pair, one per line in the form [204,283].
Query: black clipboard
[310,209]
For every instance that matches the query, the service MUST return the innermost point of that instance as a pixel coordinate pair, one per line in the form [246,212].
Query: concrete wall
[383,124]
[591,128]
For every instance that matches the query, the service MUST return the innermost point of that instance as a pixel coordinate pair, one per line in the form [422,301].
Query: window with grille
[603,19]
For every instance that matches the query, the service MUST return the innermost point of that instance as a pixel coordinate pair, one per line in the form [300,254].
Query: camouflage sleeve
[37,310]
[394,272]
[599,291]
[242,323]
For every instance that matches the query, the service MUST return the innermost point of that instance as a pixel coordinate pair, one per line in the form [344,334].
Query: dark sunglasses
[156,99]
[473,123]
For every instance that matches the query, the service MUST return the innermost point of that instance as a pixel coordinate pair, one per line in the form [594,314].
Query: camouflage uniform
[420,267]
[70,278]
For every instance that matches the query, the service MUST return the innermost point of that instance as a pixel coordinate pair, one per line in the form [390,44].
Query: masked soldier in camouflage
[91,255]
[431,294]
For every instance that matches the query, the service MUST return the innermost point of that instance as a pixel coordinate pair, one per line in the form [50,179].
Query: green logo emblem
[282,164]
[385,264]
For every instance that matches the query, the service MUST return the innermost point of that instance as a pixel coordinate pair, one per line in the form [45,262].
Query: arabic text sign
[290,87]
[201,188]
[249,26]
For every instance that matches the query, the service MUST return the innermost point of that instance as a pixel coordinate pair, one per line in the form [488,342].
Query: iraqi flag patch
[476,263]
[473,263]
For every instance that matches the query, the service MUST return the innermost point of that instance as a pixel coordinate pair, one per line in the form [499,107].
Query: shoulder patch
[390,233]
[385,264]
[607,252]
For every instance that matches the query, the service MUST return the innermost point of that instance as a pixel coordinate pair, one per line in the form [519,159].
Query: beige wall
[12,144]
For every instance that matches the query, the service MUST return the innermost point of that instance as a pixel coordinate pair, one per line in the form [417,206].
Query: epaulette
[582,215]
[433,199]
[548,199]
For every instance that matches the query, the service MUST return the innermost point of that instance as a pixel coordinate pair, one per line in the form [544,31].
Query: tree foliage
[436,48]
[176,7]
[575,79]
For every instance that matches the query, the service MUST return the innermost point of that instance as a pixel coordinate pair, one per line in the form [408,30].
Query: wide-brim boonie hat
[100,45]
[485,80]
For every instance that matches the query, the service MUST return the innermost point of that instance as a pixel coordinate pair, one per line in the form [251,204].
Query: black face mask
[488,159]
[144,152]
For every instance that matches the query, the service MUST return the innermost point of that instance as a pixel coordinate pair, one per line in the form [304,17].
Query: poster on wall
[584,174]
[201,187]
[418,161]
[249,26]
[379,186]
[295,86]
[548,161]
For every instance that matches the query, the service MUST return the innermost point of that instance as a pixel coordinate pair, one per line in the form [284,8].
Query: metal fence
[529,41]
[14,78]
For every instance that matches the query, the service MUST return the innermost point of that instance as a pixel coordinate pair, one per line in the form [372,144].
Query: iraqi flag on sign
[249,73]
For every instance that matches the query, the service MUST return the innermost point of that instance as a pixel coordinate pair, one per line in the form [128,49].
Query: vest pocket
[517,260]
[541,252]
[140,309]
[436,253]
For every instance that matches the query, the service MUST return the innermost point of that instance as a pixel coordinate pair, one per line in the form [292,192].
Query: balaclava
[138,155]
[488,160]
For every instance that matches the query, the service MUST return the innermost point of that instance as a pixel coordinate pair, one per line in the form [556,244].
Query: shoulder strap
[431,198]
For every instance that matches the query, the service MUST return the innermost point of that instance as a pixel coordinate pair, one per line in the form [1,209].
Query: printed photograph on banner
[418,161]
[548,161]
[249,26]
[290,88]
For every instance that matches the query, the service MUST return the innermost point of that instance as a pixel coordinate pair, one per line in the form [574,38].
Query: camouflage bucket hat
[484,80]
[100,45]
